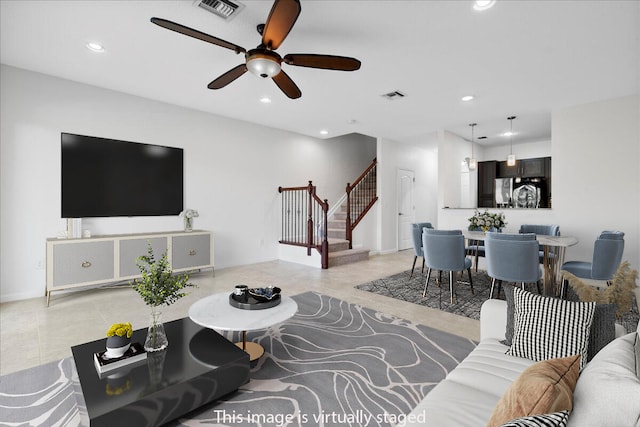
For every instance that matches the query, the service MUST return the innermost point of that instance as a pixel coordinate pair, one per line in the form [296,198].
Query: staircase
[339,252]
[304,217]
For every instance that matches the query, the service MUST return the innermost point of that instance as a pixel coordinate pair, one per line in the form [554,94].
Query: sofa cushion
[476,385]
[555,419]
[542,388]
[603,328]
[549,328]
[608,390]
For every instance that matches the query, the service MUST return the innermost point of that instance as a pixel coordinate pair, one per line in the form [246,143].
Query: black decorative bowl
[265,294]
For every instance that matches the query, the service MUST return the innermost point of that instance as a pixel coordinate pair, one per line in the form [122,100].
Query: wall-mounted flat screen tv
[106,178]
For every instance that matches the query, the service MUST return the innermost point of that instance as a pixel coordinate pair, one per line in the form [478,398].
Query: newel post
[348,220]
[325,242]
[310,219]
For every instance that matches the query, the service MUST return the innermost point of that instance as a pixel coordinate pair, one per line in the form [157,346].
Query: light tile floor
[32,333]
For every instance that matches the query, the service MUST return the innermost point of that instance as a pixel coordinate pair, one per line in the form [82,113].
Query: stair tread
[336,240]
[347,252]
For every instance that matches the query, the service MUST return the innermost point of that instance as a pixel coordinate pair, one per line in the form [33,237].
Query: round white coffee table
[215,312]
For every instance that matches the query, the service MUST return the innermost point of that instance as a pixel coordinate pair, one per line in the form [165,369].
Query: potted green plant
[158,286]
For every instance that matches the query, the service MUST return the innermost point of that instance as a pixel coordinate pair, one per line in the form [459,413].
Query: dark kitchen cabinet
[526,168]
[486,183]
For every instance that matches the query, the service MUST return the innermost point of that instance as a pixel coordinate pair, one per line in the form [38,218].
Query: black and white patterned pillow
[556,419]
[550,328]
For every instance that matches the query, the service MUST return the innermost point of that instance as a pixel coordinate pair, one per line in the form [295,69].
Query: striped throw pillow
[556,419]
[550,328]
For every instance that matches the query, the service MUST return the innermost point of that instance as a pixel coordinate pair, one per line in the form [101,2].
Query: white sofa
[607,391]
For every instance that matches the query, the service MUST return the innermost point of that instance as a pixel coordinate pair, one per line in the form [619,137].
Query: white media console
[74,263]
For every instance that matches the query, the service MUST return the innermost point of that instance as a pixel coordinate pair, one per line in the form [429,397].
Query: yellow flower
[121,330]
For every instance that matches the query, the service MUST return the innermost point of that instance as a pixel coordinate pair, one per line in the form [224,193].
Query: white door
[406,208]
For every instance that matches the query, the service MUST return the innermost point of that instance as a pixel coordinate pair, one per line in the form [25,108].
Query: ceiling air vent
[396,94]
[225,9]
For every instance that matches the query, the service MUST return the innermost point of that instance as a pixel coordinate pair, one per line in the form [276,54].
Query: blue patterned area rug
[332,364]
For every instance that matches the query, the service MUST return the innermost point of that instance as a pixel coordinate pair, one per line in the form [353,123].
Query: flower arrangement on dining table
[486,220]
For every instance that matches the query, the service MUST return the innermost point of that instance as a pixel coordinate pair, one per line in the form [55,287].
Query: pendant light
[472,161]
[511,158]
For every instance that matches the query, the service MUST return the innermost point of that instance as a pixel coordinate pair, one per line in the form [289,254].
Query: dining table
[554,249]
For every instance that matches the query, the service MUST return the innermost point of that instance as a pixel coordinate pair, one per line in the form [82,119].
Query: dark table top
[193,353]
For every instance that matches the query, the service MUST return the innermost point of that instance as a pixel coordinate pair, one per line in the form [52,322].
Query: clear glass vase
[156,336]
[188,224]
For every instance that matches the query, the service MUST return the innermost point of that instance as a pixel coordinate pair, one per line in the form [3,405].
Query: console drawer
[82,262]
[191,251]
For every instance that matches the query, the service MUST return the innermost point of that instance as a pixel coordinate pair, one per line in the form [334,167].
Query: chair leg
[415,258]
[422,271]
[470,280]
[493,284]
[426,283]
[451,286]
[538,287]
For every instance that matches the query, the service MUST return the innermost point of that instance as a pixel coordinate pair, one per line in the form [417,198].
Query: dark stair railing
[304,220]
[361,196]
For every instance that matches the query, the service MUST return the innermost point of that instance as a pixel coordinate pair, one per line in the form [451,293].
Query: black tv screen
[105,177]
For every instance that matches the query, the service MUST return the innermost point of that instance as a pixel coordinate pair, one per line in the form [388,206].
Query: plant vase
[117,346]
[156,336]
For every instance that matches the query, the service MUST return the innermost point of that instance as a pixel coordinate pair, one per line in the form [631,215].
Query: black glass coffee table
[199,366]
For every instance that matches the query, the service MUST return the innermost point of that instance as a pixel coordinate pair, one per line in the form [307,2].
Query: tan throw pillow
[542,388]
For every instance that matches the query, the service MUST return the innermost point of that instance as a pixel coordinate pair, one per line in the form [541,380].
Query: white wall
[525,150]
[458,187]
[595,154]
[419,156]
[232,171]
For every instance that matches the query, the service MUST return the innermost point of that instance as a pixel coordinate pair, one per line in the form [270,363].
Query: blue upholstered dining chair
[607,255]
[547,230]
[416,230]
[476,249]
[444,251]
[512,258]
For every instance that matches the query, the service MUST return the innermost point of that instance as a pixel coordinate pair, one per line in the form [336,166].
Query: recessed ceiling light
[324,132]
[468,98]
[95,47]
[508,133]
[265,100]
[481,5]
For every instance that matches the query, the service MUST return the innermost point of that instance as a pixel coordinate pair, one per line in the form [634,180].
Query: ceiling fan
[263,60]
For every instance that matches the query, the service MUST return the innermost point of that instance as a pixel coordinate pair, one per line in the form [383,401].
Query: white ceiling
[522,58]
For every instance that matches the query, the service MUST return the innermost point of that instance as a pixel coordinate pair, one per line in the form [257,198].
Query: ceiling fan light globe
[264,67]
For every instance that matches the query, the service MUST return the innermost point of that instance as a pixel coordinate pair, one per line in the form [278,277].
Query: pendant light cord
[511,134]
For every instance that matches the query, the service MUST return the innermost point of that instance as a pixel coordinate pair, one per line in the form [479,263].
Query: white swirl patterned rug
[332,364]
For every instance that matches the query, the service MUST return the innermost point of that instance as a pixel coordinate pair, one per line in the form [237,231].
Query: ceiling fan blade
[327,62]
[228,77]
[283,15]
[178,28]
[287,85]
